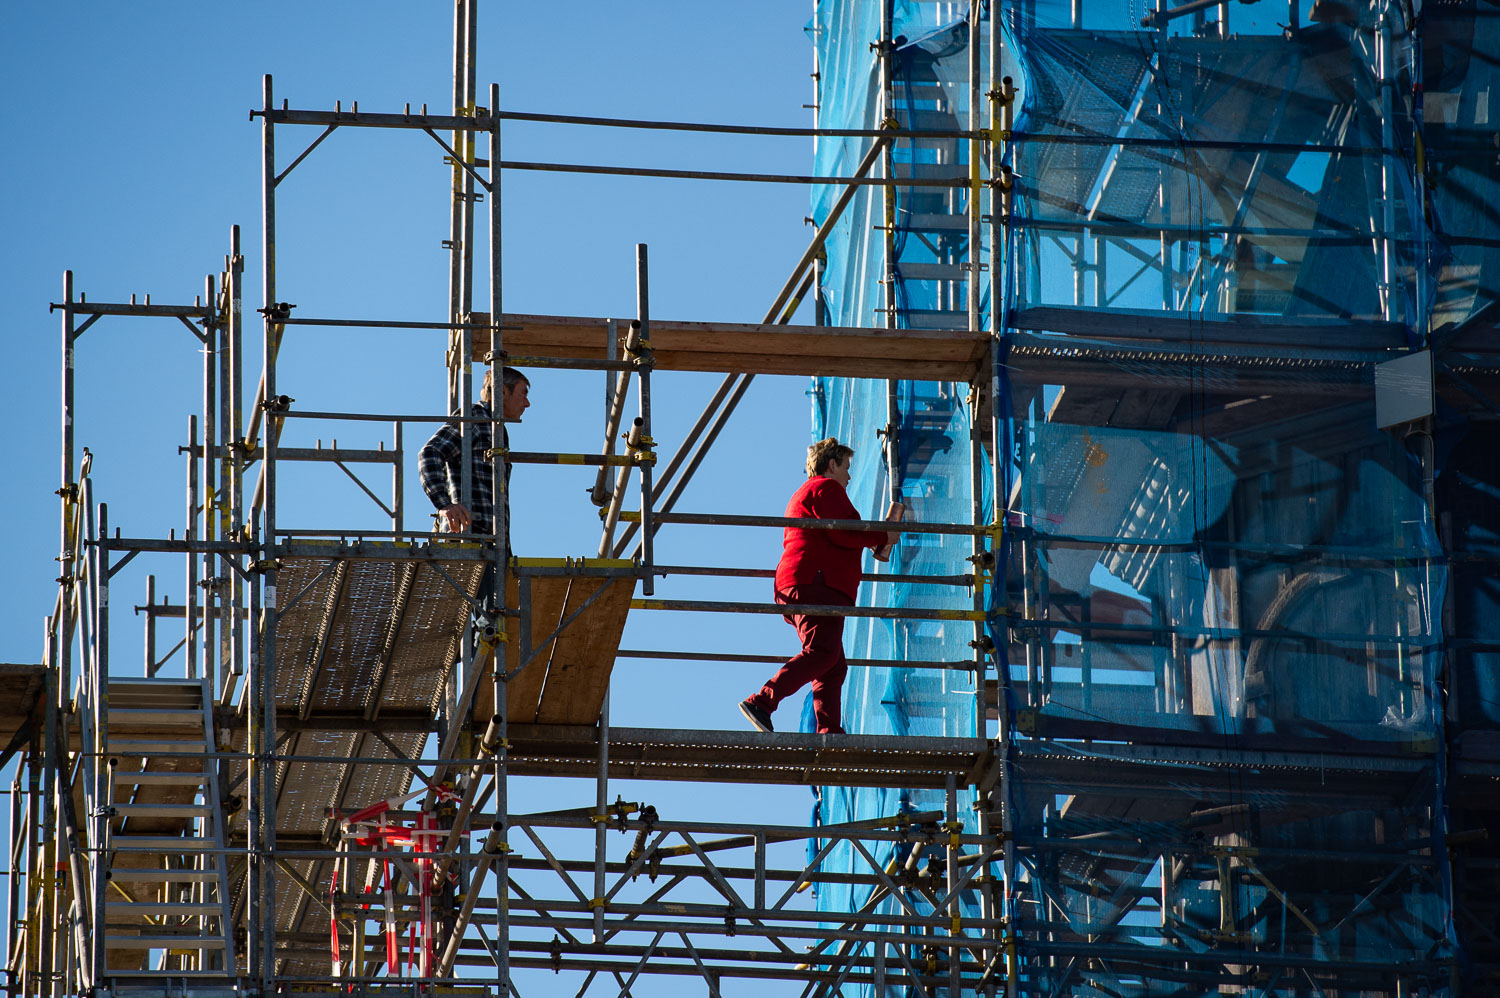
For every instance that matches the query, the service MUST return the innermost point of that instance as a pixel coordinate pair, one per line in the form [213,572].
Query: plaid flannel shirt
[439,463]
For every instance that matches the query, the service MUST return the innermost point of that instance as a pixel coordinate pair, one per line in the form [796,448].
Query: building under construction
[1176,336]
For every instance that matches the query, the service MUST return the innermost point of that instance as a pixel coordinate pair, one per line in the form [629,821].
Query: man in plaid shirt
[441,458]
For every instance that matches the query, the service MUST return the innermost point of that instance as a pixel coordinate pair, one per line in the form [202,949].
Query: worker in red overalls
[819,568]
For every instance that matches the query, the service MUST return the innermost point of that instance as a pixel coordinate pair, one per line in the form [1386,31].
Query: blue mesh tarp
[933,424]
[1216,234]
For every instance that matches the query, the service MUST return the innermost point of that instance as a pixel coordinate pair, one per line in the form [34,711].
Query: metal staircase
[165,884]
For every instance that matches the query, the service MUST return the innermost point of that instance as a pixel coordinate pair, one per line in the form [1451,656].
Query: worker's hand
[894,515]
[456,518]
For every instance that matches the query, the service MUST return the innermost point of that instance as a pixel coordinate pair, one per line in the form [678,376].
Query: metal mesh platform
[750,756]
[374,627]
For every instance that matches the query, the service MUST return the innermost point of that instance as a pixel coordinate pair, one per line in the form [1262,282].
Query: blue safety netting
[916,695]
[1213,543]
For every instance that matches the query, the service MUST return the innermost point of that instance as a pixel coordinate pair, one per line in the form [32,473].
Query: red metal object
[368,827]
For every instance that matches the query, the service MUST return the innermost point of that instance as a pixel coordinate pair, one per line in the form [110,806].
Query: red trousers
[821,661]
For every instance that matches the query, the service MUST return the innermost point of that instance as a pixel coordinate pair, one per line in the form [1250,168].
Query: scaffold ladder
[167,906]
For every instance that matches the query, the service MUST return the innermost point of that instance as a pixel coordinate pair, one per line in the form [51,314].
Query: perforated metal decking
[358,634]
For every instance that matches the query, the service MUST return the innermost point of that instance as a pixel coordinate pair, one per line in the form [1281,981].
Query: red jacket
[835,553]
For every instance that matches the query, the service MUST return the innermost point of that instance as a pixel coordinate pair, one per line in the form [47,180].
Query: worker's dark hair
[510,379]
[823,453]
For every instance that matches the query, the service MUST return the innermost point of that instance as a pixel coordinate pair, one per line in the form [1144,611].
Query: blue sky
[130,154]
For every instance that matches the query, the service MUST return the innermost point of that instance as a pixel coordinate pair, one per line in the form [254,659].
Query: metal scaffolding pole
[887,48]
[233,522]
[261,842]
[501,847]
[643,398]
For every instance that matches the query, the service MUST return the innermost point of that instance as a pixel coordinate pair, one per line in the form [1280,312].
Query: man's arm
[437,463]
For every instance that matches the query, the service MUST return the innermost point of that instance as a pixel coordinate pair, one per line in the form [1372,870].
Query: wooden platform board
[747,348]
[21,691]
[567,677]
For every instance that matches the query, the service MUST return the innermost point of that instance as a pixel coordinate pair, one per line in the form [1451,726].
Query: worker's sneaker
[759,718]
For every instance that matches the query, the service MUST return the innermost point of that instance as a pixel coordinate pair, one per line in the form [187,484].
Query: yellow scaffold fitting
[957,925]
[900,822]
[598,903]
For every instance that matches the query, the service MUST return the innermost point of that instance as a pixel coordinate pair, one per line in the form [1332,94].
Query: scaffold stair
[167,911]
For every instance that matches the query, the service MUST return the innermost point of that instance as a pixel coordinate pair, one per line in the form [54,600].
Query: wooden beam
[752,348]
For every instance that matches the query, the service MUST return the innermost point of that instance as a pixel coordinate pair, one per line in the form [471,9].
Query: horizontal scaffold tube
[375,119]
[706,917]
[203,312]
[752,178]
[769,573]
[692,656]
[386,323]
[688,126]
[595,460]
[809,610]
[876,829]
[874,526]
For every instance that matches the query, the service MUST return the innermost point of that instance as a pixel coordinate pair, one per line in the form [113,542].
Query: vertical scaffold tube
[601,826]
[62,633]
[190,609]
[461,384]
[461,211]
[209,494]
[976,257]
[232,478]
[977,151]
[51,943]
[98,706]
[1387,76]
[69,493]
[643,317]
[1002,118]
[888,193]
[261,911]
[502,531]
[30,822]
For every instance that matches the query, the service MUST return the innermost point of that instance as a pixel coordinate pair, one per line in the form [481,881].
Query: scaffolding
[1222,237]
[1085,758]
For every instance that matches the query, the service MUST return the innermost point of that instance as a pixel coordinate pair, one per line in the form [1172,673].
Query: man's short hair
[823,453]
[510,378]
